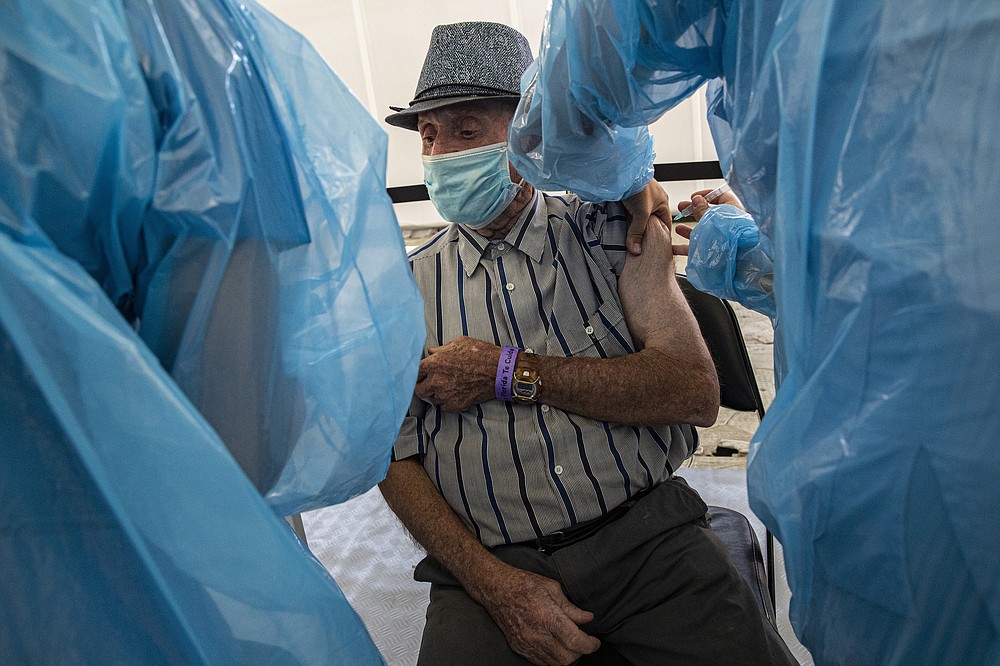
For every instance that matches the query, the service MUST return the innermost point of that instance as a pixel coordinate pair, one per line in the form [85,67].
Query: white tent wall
[377,47]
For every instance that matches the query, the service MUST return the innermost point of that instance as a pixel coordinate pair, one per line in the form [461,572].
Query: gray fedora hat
[467,61]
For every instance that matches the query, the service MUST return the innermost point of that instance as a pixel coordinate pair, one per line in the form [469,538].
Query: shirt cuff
[411,439]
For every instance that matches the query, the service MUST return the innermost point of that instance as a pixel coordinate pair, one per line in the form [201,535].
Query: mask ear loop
[520,185]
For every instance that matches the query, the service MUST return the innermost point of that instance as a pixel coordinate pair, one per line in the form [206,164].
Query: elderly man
[552,407]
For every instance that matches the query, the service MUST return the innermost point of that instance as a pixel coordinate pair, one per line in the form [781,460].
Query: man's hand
[642,207]
[538,620]
[458,375]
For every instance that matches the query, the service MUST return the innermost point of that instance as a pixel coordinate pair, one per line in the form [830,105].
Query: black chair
[737,391]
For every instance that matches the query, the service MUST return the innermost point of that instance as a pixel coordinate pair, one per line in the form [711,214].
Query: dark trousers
[661,586]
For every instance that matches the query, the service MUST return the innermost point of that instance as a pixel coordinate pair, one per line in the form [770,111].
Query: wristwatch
[527,381]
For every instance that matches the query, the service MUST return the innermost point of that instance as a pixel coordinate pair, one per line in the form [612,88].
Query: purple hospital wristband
[505,373]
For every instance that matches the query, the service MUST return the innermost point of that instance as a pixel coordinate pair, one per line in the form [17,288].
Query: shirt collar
[526,235]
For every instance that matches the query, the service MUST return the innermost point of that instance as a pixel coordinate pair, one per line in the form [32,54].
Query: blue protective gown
[862,136]
[201,271]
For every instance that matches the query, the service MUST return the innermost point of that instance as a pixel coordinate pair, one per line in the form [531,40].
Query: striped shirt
[515,472]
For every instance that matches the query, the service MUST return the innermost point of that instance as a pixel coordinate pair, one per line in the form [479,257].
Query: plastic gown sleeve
[604,71]
[729,258]
[227,192]
[199,262]
[862,138]
[127,532]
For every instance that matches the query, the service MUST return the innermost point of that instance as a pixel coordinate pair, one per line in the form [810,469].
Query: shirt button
[558,469]
[545,408]
[510,286]
[589,330]
[500,246]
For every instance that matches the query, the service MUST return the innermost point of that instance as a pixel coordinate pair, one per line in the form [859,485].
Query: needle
[711,197]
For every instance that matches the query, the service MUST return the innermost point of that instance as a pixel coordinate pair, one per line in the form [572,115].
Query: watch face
[526,379]
[525,390]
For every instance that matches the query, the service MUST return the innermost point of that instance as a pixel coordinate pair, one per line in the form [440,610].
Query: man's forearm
[644,388]
[412,496]
[671,380]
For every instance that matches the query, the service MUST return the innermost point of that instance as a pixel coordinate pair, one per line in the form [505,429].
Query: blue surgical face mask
[470,187]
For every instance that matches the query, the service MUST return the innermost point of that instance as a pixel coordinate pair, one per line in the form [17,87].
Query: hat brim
[407,118]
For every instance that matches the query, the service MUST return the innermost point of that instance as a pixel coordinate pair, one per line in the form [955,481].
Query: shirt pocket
[602,334]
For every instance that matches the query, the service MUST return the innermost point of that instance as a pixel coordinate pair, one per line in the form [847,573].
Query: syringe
[713,196]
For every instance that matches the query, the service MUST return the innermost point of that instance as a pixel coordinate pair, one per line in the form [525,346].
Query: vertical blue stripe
[659,441]
[663,447]
[559,335]
[583,244]
[554,247]
[538,297]
[617,335]
[489,478]
[522,481]
[489,308]
[550,449]
[618,460]
[524,229]
[638,455]
[510,305]
[584,315]
[461,481]
[461,296]
[582,448]
[437,460]
[437,295]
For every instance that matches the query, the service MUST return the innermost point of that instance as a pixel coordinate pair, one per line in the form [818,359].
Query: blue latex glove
[729,258]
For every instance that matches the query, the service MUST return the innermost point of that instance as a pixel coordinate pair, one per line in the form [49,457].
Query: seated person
[554,403]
